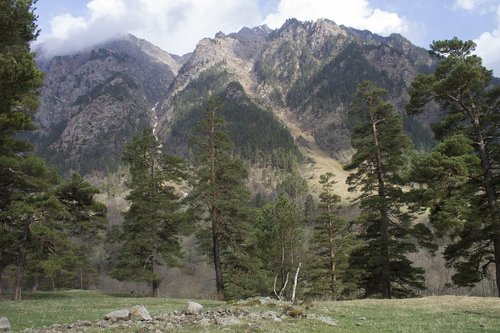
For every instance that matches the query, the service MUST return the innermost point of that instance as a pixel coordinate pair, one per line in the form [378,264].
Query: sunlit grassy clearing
[428,314]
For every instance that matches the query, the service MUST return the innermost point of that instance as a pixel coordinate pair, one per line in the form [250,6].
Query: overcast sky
[177,25]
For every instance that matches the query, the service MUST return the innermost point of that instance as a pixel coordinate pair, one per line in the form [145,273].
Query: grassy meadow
[428,314]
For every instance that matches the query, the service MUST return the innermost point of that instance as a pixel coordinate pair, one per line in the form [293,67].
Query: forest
[287,245]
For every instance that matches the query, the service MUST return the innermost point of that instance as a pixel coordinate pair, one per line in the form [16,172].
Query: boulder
[4,324]
[193,308]
[139,312]
[117,315]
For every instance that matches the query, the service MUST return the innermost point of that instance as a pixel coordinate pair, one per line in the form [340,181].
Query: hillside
[94,101]
[301,76]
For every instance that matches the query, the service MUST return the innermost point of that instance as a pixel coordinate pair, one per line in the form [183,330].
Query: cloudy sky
[177,25]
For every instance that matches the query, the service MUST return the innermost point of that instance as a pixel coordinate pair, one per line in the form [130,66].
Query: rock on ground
[193,308]
[4,324]
[139,312]
[117,315]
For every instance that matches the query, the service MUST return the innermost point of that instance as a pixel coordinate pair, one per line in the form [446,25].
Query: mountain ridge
[305,73]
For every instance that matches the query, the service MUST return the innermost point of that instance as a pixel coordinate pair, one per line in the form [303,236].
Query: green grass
[428,314]
[47,308]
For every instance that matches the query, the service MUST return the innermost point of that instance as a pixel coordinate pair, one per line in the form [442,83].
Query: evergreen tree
[151,227]
[330,246]
[85,222]
[219,191]
[36,216]
[376,167]
[464,90]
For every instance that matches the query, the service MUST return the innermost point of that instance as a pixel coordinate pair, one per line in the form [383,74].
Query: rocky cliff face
[92,102]
[304,73]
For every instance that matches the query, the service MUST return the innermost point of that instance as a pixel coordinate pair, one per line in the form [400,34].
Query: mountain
[94,101]
[306,72]
[286,93]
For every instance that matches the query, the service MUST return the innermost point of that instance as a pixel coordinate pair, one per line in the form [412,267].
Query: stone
[270,315]
[139,312]
[229,321]
[193,308]
[4,324]
[117,315]
[204,322]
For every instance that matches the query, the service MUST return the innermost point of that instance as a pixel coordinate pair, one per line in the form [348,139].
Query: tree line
[48,226]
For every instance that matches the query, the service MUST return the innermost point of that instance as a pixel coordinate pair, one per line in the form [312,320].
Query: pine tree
[219,190]
[330,246]
[36,216]
[151,225]
[376,167]
[85,222]
[21,177]
[464,90]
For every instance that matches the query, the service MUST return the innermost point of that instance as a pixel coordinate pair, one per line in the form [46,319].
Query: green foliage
[199,90]
[381,262]
[221,205]
[257,135]
[19,76]
[465,205]
[294,187]
[280,238]
[38,218]
[150,232]
[328,91]
[330,247]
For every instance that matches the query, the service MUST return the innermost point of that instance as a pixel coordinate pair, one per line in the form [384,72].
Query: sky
[176,26]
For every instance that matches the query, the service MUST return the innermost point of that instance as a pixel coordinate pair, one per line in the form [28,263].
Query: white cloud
[177,25]
[354,13]
[63,25]
[106,8]
[488,47]
[467,4]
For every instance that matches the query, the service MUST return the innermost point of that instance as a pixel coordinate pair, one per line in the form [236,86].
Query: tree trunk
[295,279]
[156,289]
[1,281]
[491,197]
[19,276]
[34,287]
[496,245]
[333,273]
[81,278]
[219,279]
[385,278]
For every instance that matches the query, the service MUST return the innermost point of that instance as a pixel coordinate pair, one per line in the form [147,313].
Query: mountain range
[286,93]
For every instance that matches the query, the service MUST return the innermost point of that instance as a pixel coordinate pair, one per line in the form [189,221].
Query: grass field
[47,308]
[428,314]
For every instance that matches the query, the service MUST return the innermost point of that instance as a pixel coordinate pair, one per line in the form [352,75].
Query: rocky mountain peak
[305,72]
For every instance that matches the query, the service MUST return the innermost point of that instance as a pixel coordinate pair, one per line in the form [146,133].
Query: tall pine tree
[150,231]
[376,169]
[465,91]
[332,241]
[222,201]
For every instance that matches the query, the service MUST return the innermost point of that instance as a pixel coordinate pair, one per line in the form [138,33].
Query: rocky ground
[250,314]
